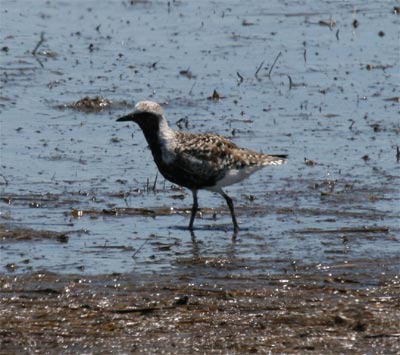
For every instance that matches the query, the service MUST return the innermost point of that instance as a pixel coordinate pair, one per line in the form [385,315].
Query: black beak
[130,117]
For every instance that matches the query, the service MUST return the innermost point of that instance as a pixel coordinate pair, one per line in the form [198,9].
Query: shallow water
[65,170]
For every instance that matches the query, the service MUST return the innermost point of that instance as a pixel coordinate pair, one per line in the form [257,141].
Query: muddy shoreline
[95,256]
[50,313]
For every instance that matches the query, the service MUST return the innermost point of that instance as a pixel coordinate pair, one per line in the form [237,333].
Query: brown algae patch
[116,314]
[25,234]
[96,104]
[161,211]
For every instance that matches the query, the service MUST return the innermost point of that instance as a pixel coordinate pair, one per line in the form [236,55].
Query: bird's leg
[194,209]
[230,205]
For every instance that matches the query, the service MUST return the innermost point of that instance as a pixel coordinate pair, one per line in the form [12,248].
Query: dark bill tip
[125,118]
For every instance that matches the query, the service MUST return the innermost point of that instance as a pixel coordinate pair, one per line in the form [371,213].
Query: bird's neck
[162,141]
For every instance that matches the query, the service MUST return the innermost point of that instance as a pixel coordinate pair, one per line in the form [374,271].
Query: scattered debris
[187,73]
[273,64]
[5,180]
[20,234]
[394,99]
[383,67]
[191,89]
[247,23]
[251,198]
[310,162]
[11,267]
[41,40]
[215,96]
[259,68]
[329,24]
[329,184]
[115,140]
[181,301]
[96,104]
[376,127]
[182,122]
[290,81]
[177,197]
[240,78]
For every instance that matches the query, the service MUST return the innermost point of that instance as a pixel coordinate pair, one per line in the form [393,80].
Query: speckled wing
[221,151]
[208,157]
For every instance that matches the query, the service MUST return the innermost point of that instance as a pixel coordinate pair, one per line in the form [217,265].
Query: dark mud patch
[117,313]
[11,234]
[359,230]
[36,200]
[96,104]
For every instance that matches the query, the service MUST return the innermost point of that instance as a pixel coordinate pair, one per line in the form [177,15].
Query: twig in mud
[240,78]
[273,64]
[191,89]
[39,61]
[126,195]
[337,35]
[6,181]
[398,153]
[332,23]
[259,68]
[305,55]
[290,82]
[155,183]
[140,248]
[41,40]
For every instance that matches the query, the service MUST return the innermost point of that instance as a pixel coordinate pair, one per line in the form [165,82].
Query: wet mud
[95,255]
[49,313]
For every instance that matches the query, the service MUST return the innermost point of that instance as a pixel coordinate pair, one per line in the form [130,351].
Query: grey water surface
[331,98]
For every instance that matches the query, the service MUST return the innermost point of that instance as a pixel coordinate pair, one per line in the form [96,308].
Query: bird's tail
[280,156]
[275,159]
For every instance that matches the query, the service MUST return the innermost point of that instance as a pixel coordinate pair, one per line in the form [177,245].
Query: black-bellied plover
[197,161]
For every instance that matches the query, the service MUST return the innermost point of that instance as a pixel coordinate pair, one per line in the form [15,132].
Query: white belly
[233,176]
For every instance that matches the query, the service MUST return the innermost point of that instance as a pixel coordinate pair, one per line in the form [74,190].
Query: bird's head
[147,115]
